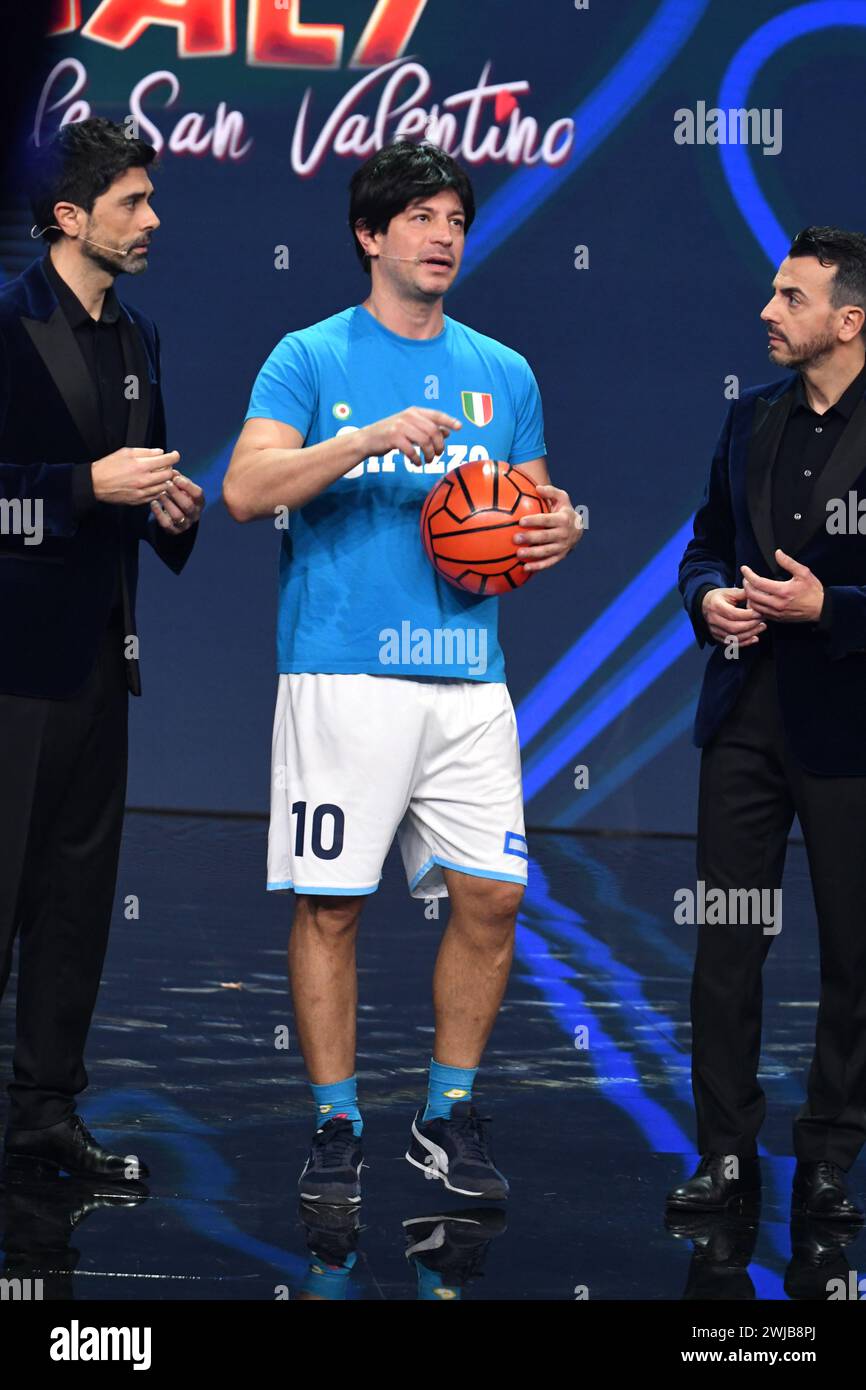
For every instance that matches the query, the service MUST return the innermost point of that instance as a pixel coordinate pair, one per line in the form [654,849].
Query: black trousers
[62,794]
[750,789]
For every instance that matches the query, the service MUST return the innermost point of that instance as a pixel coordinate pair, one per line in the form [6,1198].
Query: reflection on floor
[193,1064]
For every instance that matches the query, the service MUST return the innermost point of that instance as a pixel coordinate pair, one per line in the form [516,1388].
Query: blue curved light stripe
[592,718]
[621,984]
[638,929]
[204,1170]
[640,596]
[733,94]
[584,802]
[641,926]
[559,989]
[614,1065]
[652,52]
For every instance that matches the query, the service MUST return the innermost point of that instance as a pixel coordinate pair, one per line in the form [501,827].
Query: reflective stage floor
[188,1068]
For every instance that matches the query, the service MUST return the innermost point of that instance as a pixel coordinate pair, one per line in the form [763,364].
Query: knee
[330,918]
[505,901]
[493,905]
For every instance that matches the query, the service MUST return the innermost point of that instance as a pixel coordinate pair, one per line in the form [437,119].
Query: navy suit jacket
[55,597]
[820,672]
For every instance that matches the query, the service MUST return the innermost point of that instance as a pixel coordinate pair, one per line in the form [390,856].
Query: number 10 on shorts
[334,831]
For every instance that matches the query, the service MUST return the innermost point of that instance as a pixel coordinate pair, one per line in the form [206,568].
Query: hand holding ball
[469,520]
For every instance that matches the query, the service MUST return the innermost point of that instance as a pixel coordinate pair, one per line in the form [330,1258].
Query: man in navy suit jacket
[84,477]
[775,579]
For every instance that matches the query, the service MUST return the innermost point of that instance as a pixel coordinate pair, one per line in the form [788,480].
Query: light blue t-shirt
[357,592]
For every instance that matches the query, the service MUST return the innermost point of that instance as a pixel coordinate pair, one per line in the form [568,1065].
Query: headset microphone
[115,250]
[383,255]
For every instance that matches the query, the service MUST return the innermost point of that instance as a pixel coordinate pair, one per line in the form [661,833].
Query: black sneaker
[332,1232]
[332,1173]
[458,1151]
[453,1244]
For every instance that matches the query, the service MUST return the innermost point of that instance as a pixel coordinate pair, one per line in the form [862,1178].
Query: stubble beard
[114,264]
[813,353]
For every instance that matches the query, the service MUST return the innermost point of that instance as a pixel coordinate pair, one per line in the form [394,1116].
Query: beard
[402,279]
[425,294]
[810,353]
[422,296]
[113,263]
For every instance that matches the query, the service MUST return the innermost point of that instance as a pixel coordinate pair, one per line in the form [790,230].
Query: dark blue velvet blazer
[55,597]
[821,674]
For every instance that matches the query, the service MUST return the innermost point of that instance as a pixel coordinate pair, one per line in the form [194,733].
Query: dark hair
[394,177]
[847,252]
[77,166]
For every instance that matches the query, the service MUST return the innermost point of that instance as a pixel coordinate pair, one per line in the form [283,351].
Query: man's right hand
[416,425]
[724,619]
[131,476]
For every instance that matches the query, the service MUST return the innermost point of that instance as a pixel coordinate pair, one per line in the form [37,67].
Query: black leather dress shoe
[68,1146]
[724,1246]
[709,1189]
[819,1190]
[818,1259]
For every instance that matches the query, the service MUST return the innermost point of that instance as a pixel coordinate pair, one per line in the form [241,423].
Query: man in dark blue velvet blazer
[84,478]
[775,579]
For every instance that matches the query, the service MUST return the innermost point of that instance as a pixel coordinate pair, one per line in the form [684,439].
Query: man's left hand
[795,600]
[548,537]
[180,506]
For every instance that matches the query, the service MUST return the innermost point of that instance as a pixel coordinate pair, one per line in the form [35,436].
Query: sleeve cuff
[697,612]
[83,497]
[699,622]
[826,619]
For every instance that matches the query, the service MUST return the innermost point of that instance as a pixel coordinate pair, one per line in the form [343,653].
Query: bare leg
[472,965]
[325,984]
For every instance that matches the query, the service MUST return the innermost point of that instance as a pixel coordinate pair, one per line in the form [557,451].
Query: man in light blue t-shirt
[392,713]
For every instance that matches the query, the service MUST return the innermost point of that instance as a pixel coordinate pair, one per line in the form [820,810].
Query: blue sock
[446,1086]
[431,1289]
[339,1099]
[329,1281]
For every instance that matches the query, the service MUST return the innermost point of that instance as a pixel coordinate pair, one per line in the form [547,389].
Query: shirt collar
[72,306]
[847,402]
[853,394]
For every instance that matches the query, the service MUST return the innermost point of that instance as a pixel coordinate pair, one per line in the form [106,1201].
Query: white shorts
[357,758]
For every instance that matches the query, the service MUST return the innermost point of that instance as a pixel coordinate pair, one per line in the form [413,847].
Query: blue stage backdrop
[629,227]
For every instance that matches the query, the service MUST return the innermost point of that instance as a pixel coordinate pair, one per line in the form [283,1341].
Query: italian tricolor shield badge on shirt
[477,407]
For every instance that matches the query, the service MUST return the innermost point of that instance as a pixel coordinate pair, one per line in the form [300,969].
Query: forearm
[260,480]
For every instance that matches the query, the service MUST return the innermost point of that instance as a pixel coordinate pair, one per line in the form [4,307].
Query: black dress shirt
[102,349]
[807,443]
